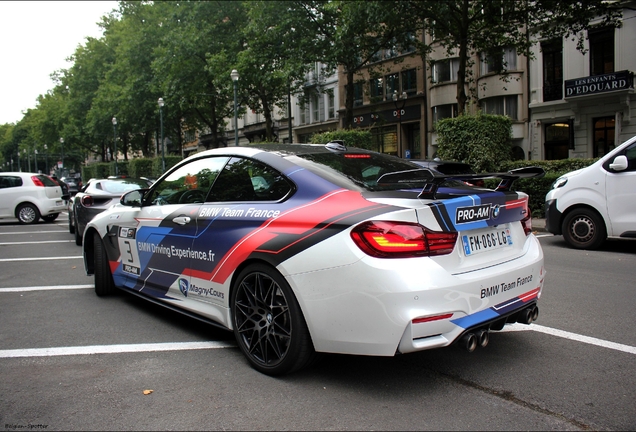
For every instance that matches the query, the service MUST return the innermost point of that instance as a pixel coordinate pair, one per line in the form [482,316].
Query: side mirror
[620,163]
[133,198]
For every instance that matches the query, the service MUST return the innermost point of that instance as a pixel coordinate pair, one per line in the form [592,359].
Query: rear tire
[78,235]
[584,229]
[268,324]
[27,214]
[104,284]
[71,225]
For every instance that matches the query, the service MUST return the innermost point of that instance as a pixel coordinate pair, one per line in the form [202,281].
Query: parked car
[29,197]
[589,205]
[320,255]
[74,184]
[94,198]
[66,194]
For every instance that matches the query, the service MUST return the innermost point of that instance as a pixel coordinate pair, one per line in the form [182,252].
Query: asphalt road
[72,361]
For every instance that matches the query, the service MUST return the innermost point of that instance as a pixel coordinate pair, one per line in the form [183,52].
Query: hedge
[141,167]
[351,138]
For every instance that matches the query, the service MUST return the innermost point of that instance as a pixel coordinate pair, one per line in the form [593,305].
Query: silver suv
[29,197]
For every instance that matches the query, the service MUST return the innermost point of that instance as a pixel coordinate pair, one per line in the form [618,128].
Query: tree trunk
[463,52]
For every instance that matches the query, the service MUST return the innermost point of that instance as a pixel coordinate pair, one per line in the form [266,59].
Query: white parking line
[45,288]
[571,336]
[176,346]
[39,258]
[35,242]
[112,349]
[31,232]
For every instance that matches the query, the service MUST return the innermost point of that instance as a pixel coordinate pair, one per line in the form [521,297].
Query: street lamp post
[399,111]
[163,152]
[35,160]
[115,144]
[19,164]
[46,154]
[235,77]
[62,142]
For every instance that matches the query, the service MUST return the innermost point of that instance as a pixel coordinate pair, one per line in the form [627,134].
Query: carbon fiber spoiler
[434,181]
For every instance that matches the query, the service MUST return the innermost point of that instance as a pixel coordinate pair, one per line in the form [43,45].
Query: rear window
[364,171]
[46,180]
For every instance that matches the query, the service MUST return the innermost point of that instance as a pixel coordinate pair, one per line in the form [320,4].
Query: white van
[592,204]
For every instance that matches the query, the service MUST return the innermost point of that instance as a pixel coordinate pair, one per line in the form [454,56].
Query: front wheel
[584,229]
[28,214]
[268,324]
[104,284]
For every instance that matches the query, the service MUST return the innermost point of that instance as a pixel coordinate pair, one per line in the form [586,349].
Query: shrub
[479,140]
[351,138]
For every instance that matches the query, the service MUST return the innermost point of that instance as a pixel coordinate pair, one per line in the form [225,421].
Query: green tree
[272,64]
[193,61]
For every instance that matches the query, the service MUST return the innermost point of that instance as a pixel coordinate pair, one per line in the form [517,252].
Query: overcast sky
[36,37]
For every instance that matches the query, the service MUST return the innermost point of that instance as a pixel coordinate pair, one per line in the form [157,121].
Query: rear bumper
[368,308]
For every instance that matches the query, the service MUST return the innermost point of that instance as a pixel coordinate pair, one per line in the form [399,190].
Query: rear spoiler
[434,181]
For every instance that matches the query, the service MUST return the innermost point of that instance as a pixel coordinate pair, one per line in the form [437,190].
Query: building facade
[581,103]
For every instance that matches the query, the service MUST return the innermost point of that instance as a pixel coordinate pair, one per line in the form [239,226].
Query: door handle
[181,220]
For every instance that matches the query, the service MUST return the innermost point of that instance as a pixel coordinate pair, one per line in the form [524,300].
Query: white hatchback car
[598,202]
[29,197]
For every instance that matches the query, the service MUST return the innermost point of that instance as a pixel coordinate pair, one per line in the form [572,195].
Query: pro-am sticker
[475,213]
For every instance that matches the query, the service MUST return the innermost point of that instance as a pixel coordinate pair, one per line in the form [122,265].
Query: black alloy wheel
[104,284]
[268,324]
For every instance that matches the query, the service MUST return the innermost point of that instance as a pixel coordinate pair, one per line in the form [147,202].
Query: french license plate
[486,240]
[59,203]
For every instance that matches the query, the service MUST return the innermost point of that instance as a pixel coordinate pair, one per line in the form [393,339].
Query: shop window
[552,70]
[558,140]
[385,140]
[604,130]
[601,51]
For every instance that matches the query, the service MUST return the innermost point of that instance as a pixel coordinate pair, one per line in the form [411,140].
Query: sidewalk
[538,225]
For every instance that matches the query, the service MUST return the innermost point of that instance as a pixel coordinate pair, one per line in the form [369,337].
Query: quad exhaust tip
[480,337]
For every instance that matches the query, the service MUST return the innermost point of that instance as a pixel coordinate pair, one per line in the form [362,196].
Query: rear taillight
[37,181]
[388,239]
[527,219]
[87,201]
